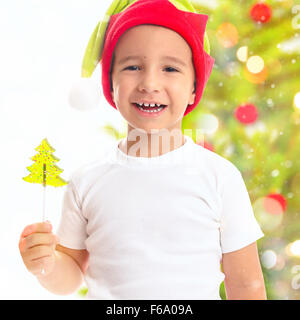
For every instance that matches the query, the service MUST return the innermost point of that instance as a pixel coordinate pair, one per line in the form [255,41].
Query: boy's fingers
[38,252]
[37,239]
[37,227]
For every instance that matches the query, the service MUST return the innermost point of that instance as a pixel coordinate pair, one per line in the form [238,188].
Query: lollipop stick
[44,187]
[44,201]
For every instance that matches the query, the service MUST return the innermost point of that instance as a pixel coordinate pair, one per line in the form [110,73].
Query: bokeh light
[265,209]
[256,77]
[293,248]
[253,128]
[272,206]
[246,113]
[297,100]
[269,259]
[255,64]
[261,12]
[242,54]
[227,35]
[208,123]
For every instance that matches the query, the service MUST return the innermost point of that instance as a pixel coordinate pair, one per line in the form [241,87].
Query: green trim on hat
[94,49]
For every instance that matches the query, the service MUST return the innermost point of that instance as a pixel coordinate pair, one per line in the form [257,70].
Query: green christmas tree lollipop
[44,170]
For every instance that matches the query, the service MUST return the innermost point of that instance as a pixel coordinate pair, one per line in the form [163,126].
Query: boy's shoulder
[215,162]
[216,168]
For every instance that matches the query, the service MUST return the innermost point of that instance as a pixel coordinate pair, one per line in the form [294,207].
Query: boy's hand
[37,247]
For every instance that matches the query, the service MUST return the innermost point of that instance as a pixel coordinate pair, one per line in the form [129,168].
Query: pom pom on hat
[178,15]
[84,94]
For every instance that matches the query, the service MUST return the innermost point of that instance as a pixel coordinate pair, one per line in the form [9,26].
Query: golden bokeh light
[227,35]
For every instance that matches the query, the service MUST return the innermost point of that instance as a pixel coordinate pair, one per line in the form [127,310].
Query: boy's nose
[150,82]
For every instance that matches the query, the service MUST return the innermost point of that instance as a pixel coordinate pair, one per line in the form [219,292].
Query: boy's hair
[112,66]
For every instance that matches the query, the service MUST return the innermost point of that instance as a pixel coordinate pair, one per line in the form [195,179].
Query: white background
[42,46]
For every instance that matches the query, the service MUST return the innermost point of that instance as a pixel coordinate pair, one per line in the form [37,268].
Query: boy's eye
[138,67]
[130,67]
[171,68]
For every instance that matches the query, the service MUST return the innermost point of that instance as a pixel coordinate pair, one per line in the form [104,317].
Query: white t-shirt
[156,228]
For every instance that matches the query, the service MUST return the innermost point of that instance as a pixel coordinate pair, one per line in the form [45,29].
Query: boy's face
[152,77]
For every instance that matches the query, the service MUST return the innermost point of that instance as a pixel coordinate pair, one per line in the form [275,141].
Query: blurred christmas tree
[250,112]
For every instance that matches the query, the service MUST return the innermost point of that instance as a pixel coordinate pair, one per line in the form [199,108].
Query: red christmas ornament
[261,12]
[275,203]
[246,113]
[278,197]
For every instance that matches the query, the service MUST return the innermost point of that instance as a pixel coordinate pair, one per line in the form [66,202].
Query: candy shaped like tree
[44,170]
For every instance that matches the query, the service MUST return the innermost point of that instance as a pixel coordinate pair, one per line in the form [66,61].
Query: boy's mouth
[149,109]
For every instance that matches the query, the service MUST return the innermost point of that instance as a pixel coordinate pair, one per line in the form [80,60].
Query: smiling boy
[165,76]
[160,215]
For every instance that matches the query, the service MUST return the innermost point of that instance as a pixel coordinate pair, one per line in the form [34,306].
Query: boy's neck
[148,145]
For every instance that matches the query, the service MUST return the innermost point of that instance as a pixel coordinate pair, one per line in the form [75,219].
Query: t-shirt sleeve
[239,226]
[72,226]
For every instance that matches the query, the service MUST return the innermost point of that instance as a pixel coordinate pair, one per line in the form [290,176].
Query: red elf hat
[190,25]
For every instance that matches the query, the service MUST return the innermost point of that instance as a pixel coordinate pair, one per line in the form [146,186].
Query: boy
[159,215]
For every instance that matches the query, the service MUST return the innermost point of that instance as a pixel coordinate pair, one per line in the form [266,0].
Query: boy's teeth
[140,106]
[149,105]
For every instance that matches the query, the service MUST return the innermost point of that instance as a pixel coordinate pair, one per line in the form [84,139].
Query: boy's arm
[243,275]
[67,276]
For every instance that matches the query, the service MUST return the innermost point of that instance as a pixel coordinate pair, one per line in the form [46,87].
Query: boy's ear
[193,95]
[192,98]
[112,95]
